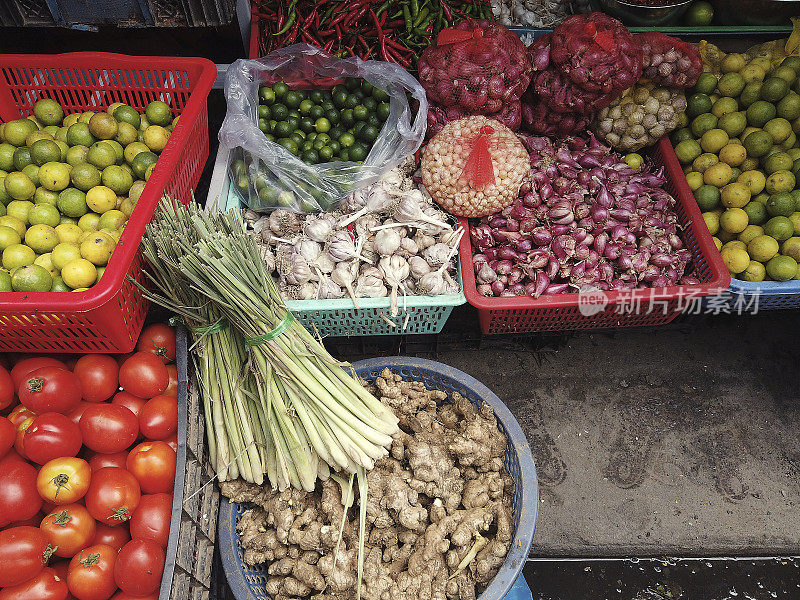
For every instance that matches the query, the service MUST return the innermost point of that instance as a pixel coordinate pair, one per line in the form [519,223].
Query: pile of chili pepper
[391,30]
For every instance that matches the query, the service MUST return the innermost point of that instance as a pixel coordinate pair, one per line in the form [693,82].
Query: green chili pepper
[290,20]
[421,17]
[407,18]
[414,8]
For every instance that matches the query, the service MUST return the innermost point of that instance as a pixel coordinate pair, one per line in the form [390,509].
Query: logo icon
[591,300]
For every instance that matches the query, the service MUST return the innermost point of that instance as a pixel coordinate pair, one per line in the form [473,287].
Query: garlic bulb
[343,275]
[379,201]
[394,270]
[431,284]
[437,254]
[308,291]
[284,223]
[423,240]
[387,242]
[342,247]
[418,267]
[409,210]
[295,270]
[408,247]
[318,229]
[323,262]
[268,256]
[308,249]
[329,290]
[369,286]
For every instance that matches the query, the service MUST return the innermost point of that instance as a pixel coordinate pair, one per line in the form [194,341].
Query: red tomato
[69,529]
[7,389]
[127,596]
[64,480]
[50,389]
[108,428]
[116,537]
[139,567]
[151,519]
[153,465]
[144,375]
[172,388]
[158,339]
[47,585]
[34,521]
[8,433]
[22,429]
[129,401]
[98,461]
[173,442]
[91,573]
[60,567]
[51,435]
[19,499]
[76,413]
[99,376]
[121,358]
[113,495]
[25,367]
[158,419]
[23,554]
[19,415]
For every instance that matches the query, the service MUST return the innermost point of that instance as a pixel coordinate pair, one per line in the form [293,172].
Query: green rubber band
[271,335]
[211,329]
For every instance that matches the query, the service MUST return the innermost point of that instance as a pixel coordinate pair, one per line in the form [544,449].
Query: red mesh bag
[563,96]
[538,117]
[596,52]
[669,61]
[439,116]
[477,66]
[539,52]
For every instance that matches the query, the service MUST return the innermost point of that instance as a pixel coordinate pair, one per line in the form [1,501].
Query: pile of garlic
[544,14]
[388,239]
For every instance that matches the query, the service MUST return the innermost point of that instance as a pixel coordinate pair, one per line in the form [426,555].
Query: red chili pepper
[446,10]
[338,18]
[307,37]
[328,47]
[338,32]
[279,24]
[396,45]
[325,32]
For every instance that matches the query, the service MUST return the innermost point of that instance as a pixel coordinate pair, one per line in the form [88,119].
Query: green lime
[44,214]
[322,125]
[289,144]
[17,131]
[703,123]
[19,186]
[32,171]
[724,105]
[358,152]
[777,162]
[292,99]
[706,83]
[79,135]
[707,197]
[59,285]
[372,119]
[759,113]
[298,138]
[756,212]
[266,95]
[103,126]
[751,93]
[280,89]
[101,155]
[789,106]
[72,202]
[282,129]
[42,238]
[731,84]
[780,204]
[128,114]
[757,143]
[8,237]
[699,14]
[111,220]
[264,112]
[48,112]
[311,157]
[45,196]
[22,158]
[369,134]
[356,129]
[780,129]
[294,123]
[141,161]
[85,176]
[733,123]
[782,268]
[7,156]
[773,89]
[158,113]
[54,176]
[118,179]
[31,278]
[384,108]
[44,151]
[15,222]
[779,228]
[326,153]
[279,112]
[263,125]
[77,155]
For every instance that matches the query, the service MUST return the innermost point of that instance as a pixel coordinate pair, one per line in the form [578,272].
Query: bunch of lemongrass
[308,415]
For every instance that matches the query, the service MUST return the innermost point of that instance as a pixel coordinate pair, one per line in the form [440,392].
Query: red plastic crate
[108,317]
[630,308]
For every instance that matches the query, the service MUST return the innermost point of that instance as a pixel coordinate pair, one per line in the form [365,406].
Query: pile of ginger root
[439,515]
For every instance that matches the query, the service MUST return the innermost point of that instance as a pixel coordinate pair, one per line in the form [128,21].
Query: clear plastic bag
[267,175]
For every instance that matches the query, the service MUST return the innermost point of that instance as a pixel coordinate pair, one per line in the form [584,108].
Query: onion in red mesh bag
[476,65]
[439,116]
[539,52]
[474,166]
[669,61]
[596,52]
[563,96]
[538,117]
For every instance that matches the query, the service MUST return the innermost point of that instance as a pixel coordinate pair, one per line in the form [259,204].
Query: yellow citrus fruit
[735,244]
[18,255]
[68,232]
[712,222]
[754,180]
[79,273]
[46,262]
[89,222]
[97,248]
[735,195]
[101,198]
[719,175]
[704,162]
[791,247]
[713,140]
[762,248]
[780,181]
[782,268]
[750,232]
[14,223]
[755,271]
[733,62]
[41,238]
[732,154]
[64,253]
[736,259]
[733,220]
[694,179]
[717,242]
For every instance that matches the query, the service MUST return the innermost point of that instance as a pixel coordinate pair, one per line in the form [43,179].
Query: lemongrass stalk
[231,420]
[211,432]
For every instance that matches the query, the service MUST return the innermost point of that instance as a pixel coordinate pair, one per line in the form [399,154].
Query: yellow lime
[41,238]
[712,222]
[779,161]
[131,150]
[780,129]
[713,140]
[719,174]
[782,268]
[780,181]
[733,154]
[789,142]
[8,237]
[155,137]
[731,84]
[59,285]
[20,209]
[101,198]
[68,232]
[103,126]
[118,179]
[750,232]
[733,220]
[79,273]
[48,112]
[111,219]
[19,186]
[786,73]
[17,255]
[704,162]
[736,195]
[44,214]
[32,171]
[724,105]
[77,155]
[126,134]
[795,219]
[79,135]
[735,244]
[733,123]
[17,131]
[736,259]
[791,247]
[46,261]
[89,222]
[85,176]
[31,278]
[138,187]
[755,271]
[102,154]
[789,106]
[97,248]
[158,113]
[14,223]
[43,151]
[127,206]
[54,176]
[693,178]
[752,73]
[5,281]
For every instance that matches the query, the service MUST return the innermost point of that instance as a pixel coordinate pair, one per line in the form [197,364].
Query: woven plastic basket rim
[520,545]
[109,285]
[719,282]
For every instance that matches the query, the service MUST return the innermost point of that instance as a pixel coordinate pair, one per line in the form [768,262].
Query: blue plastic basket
[247,583]
[755,296]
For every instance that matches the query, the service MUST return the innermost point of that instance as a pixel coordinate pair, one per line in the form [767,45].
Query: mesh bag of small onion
[439,116]
[538,117]
[669,61]
[477,66]
[596,52]
[474,166]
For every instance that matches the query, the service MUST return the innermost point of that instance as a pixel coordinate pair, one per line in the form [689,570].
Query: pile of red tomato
[87,468]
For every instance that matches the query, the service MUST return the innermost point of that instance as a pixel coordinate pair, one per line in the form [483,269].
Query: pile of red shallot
[584,218]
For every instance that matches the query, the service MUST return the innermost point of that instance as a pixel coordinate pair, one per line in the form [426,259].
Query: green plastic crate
[339,318]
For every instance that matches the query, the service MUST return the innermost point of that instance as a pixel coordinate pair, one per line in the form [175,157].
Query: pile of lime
[68,185]
[318,126]
[741,157]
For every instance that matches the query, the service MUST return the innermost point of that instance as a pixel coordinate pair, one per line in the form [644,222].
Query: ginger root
[439,514]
